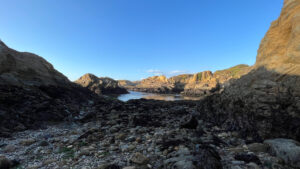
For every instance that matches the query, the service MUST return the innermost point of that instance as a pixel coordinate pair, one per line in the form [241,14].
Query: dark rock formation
[32,92]
[265,103]
[102,85]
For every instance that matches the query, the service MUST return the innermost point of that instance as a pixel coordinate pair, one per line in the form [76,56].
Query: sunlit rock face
[102,85]
[23,68]
[280,48]
[198,84]
[206,82]
[265,103]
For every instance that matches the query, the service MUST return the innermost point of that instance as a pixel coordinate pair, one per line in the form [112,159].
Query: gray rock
[139,158]
[43,143]
[287,149]
[184,165]
[9,148]
[258,147]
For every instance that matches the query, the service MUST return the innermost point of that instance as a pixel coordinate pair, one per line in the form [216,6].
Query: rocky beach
[248,117]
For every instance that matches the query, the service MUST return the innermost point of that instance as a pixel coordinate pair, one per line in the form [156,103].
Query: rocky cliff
[206,82]
[201,83]
[155,84]
[279,50]
[102,85]
[265,103]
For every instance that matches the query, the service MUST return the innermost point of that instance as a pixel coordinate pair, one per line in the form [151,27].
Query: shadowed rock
[265,102]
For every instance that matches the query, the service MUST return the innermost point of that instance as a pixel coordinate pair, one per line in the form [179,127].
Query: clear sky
[134,39]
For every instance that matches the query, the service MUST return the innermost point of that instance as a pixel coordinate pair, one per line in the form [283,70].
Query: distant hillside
[201,83]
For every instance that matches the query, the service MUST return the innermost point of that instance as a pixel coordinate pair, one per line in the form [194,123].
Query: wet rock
[192,123]
[253,166]
[7,164]
[130,167]
[184,165]
[9,148]
[27,142]
[258,147]
[247,158]
[237,149]
[43,143]
[287,149]
[139,158]
[109,166]
[208,158]
[205,158]
[86,150]
[165,144]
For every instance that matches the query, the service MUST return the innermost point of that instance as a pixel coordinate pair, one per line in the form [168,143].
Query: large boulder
[102,85]
[286,149]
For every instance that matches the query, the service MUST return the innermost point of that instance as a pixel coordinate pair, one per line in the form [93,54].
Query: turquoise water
[154,96]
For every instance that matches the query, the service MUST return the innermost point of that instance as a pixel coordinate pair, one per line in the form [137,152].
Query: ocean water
[154,96]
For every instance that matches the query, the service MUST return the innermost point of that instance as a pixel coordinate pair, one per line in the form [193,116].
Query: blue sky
[134,39]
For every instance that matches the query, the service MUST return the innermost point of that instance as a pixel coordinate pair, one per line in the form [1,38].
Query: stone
[192,123]
[7,164]
[45,143]
[237,149]
[86,151]
[109,166]
[27,142]
[258,147]
[247,158]
[130,167]
[287,149]
[139,158]
[9,148]
[253,166]
[184,165]
[120,136]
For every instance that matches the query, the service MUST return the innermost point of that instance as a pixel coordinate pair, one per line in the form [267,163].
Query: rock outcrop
[265,103]
[206,82]
[23,68]
[286,149]
[155,84]
[202,83]
[102,85]
[32,92]
[127,84]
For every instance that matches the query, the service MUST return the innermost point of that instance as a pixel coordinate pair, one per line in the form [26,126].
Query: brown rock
[23,68]
[139,158]
[102,85]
